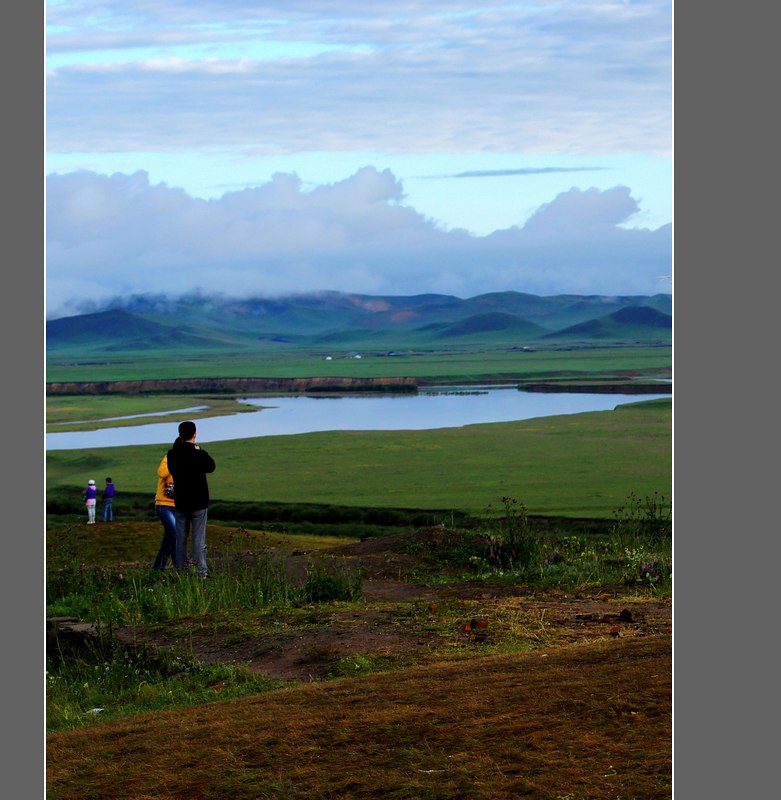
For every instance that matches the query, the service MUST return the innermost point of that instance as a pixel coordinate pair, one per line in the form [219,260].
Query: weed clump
[326,585]
[648,517]
[512,544]
[635,551]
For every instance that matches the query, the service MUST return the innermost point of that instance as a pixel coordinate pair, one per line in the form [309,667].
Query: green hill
[353,320]
[118,330]
[639,322]
[481,325]
[105,327]
[104,330]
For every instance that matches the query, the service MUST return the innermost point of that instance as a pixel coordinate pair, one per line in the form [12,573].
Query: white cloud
[119,234]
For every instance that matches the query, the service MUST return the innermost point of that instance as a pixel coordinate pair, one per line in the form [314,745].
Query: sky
[257,148]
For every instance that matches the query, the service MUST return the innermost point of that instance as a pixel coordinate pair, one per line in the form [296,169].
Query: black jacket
[189,466]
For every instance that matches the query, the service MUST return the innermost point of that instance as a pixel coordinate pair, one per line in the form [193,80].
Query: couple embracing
[182,501]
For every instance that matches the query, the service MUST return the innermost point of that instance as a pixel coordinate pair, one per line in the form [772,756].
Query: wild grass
[632,553]
[589,722]
[510,628]
[130,680]
[248,592]
[324,583]
[109,597]
[107,680]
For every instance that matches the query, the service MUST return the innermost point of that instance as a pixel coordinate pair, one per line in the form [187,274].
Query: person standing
[108,501]
[164,508]
[90,495]
[189,465]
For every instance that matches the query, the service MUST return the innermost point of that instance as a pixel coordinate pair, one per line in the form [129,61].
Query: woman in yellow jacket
[164,507]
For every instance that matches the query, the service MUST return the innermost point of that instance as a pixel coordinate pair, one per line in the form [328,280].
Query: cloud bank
[119,234]
[576,77]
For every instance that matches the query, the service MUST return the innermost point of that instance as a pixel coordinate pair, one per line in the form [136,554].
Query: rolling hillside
[479,326]
[637,322]
[107,327]
[352,321]
[118,330]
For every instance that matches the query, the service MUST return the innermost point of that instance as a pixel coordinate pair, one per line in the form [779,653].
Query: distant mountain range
[350,321]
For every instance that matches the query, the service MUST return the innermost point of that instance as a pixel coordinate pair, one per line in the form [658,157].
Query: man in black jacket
[189,465]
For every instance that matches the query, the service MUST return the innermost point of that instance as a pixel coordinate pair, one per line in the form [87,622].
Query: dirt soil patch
[290,648]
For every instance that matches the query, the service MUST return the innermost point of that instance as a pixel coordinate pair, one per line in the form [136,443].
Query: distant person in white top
[90,495]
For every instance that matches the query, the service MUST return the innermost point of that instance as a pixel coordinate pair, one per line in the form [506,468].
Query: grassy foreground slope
[581,465]
[589,722]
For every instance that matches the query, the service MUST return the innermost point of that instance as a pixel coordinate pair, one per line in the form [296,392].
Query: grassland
[440,366]
[581,465]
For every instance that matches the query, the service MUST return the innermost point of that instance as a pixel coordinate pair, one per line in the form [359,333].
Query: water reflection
[287,415]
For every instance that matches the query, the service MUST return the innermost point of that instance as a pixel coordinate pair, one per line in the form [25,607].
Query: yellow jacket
[163,477]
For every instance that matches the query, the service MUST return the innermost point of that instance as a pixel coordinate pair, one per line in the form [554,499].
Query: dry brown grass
[588,721]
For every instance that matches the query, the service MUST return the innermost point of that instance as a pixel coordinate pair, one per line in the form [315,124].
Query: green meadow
[442,365]
[581,465]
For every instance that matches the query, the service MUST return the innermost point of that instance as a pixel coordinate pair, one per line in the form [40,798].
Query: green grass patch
[109,597]
[108,681]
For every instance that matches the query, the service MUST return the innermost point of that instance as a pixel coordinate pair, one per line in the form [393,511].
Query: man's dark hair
[186,430]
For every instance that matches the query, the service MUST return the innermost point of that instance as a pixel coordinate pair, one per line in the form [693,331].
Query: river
[294,414]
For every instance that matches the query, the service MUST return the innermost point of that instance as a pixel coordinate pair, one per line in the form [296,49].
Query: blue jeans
[108,511]
[168,545]
[191,522]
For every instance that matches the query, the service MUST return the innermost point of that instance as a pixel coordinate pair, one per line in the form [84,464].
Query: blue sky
[249,147]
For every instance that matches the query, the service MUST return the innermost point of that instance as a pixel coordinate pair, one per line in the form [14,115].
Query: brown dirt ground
[295,652]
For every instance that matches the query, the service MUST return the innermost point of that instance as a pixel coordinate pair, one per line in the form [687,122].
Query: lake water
[445,408]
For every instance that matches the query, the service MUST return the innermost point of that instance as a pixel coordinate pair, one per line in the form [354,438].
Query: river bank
[234,385]
[329,385]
